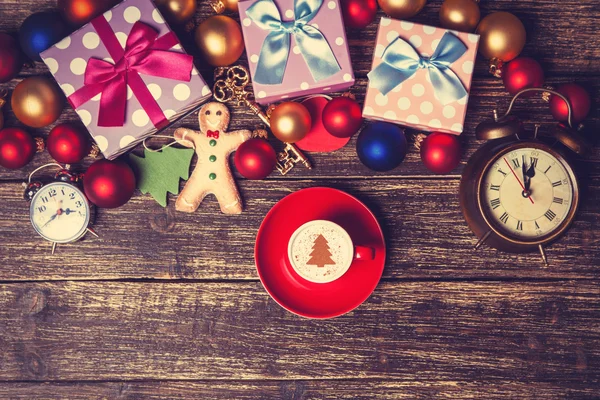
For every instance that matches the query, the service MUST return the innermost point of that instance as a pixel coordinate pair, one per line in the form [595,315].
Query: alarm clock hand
[524,172]
[52,218]
[518,180]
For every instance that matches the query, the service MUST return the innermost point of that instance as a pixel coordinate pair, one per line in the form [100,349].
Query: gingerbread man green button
[214,143]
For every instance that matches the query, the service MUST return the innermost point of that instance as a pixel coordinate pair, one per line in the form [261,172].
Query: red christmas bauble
[17,148]
[67,144]
[358,13]
[109,184]
[79,12]
[342,117]
[11,58]
[579,99]
[440,152]
[522,73]
[255,159]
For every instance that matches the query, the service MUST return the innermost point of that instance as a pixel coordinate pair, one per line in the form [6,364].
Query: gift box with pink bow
[421,76]
[126,75]
[295,48]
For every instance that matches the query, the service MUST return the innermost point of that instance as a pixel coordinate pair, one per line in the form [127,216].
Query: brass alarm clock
[519,192]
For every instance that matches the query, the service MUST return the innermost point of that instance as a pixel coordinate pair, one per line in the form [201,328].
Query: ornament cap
[546,95]
[419,138]
[39,144]
[218,6]
[496,67]
[94,151]
[349,95]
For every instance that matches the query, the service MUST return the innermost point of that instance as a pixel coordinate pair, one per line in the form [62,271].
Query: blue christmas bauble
[40,31]
[381,146]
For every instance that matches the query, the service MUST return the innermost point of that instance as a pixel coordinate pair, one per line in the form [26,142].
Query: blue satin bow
[401,61]
[276,48]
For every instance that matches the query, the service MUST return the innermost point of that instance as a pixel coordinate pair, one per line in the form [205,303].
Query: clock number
[495,203]
[44,199]
[504,218]
[536,225]
[516,163]
[502,172]
[62,191]
[72,195]
[533,161]
[558,200]
[557,183]
[547,169]
[550,215]
[52,192]
[41,209]
[519,225]
[495,187]
[78,203]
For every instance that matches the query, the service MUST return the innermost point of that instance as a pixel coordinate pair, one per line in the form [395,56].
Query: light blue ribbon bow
[276,48]
[401,61]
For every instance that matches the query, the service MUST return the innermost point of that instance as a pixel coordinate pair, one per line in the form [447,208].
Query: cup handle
[363,253]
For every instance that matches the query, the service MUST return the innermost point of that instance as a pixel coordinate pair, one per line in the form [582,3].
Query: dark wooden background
[168,305]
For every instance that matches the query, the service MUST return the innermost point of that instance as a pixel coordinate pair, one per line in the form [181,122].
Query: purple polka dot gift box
[126,75]
[295,48]
[420,76]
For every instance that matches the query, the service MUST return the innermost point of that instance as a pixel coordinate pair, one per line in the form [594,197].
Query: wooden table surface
[168,305]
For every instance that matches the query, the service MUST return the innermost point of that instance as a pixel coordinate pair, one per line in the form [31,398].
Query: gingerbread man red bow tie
[212,134]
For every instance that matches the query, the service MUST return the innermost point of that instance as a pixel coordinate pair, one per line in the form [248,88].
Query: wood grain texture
[425,231]
[543,331]
[445,322]
[299,390]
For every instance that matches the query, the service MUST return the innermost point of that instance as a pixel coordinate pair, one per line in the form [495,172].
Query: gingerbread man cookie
[212,175]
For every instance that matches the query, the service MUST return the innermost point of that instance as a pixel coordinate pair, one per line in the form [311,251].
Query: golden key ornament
[232,84]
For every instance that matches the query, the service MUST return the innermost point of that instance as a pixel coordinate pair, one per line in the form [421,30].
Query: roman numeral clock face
[527,194]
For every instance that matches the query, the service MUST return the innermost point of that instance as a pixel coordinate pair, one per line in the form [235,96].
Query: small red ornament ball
[11,58]
[67,144]
[109,184]
[440,152]
[358,13]
[255,159]
[342,117]
[17,148]
[522,73]
[579,99]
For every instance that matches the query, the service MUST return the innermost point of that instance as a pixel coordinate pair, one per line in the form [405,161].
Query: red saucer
[294,293]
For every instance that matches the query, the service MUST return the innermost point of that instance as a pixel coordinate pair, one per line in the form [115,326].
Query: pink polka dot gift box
[126,75]
[421,76]
[295,48]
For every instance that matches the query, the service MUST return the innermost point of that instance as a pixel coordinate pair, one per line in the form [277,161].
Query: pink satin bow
[144,53]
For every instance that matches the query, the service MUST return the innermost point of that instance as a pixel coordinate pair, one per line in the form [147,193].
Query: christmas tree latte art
[320,251]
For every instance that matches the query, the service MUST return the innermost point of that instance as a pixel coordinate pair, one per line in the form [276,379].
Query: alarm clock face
[528,194]
[60,212]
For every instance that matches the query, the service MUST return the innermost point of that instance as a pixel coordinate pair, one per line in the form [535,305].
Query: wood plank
[487,94]
[426,236]
[299,390]
[559,33]
[519,331]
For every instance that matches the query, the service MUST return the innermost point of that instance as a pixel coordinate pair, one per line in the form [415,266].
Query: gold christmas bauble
[290,122]
[402,9]
[37,101]
[177,11]
[220,40]
[502,36]
[460,15]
